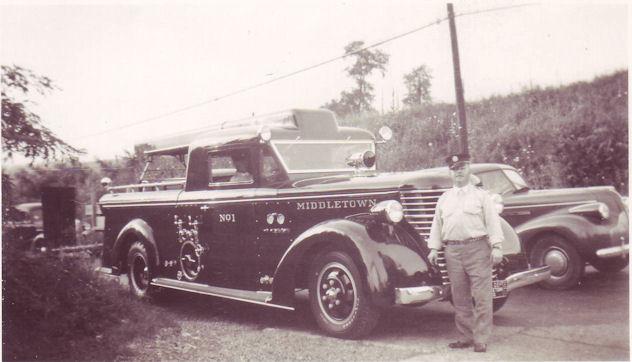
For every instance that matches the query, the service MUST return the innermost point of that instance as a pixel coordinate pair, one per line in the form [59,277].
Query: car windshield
[319,156]
[496,182]
[502,181]
[517,180]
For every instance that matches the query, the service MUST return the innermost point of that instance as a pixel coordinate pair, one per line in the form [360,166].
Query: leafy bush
[57,308]
[576,135]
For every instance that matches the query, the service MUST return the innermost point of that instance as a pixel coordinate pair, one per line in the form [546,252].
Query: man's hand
[432,257]
[497,256]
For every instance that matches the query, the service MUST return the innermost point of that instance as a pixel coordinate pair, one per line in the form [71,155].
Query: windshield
[517,180]
[496,182]
[502,181]
[319,156]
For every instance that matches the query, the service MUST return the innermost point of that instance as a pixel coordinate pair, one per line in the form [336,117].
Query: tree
[359,99]
[22,130]
[418,83]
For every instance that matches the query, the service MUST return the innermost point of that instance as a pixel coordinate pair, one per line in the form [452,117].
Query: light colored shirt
[462,213]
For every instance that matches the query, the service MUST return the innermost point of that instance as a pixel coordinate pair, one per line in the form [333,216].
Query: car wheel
[567,266]
[499,303]
[610,265]
[139,271]
[338,299]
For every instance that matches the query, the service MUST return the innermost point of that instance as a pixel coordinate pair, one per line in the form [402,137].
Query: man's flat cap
[457,159]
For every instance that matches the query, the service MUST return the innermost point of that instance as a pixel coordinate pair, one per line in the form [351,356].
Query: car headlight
[498,203]
[391,209]
[604,211]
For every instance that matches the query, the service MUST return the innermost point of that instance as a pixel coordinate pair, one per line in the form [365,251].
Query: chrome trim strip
[531,276]
[214,291]
[415,295]
[614,251]
[551,204]
[263,199]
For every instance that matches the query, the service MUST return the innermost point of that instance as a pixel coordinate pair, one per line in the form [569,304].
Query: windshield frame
[348,169]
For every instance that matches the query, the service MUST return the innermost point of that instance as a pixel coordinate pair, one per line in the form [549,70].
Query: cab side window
[231,168]
[271,170]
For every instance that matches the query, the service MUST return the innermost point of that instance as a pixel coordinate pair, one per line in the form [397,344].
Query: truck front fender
[386,255]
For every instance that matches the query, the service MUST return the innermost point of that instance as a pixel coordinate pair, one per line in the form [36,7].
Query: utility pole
[458,85]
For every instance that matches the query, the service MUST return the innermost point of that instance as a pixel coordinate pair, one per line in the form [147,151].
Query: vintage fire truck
[258,210]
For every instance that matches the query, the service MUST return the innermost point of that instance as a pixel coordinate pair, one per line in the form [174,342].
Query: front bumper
[418,295]
[614,251]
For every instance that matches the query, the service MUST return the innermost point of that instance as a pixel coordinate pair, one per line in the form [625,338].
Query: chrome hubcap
[140,272]
[336,293]
[557,259]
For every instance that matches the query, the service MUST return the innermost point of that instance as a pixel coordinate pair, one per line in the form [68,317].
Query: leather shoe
[460,344]
[480,347]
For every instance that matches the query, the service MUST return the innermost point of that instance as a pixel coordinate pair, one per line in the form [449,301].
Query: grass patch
[57,307]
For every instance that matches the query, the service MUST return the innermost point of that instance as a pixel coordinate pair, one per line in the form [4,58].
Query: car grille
[419,208]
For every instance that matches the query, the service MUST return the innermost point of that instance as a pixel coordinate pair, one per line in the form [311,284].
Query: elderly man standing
[467,226]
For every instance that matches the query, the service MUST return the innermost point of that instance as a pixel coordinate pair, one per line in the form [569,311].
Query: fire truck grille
[419,208]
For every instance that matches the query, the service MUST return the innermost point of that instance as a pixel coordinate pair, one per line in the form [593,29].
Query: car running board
[259,297]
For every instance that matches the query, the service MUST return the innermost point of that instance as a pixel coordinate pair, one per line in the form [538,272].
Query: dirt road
[587,323]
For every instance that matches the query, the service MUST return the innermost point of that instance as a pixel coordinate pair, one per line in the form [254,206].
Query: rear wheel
[139,271]
[338,299]
[567,266]
[610,265]
[499,303]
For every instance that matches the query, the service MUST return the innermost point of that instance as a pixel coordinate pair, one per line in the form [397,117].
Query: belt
[466,241]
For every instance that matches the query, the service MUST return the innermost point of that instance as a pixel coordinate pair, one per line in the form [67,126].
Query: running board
[260,298]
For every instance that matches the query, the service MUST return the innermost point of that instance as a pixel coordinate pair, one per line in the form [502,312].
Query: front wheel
[567,266]
[338,299]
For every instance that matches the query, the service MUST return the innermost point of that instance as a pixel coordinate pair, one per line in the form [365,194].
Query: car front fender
[387,256]
[574,228]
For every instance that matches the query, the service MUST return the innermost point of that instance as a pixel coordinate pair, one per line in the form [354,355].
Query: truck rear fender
[135,230]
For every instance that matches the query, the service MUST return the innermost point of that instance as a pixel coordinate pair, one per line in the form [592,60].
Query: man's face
[460,173]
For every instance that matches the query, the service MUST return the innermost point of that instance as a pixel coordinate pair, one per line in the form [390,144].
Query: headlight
[391,209]
[498,203]
[625,201]
[604,211]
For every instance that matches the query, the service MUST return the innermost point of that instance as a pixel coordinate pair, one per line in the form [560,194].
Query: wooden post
[458,85]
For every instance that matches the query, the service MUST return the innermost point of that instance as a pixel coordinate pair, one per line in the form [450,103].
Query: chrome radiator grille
[419,207]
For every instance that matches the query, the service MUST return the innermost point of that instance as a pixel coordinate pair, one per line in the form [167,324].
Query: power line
[302,70]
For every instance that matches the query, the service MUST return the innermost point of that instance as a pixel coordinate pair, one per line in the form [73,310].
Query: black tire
[610,265]
[338,298]
[499,303]
[567,265]
[140,272]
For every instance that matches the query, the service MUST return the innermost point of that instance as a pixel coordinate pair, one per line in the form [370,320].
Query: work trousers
[470,271]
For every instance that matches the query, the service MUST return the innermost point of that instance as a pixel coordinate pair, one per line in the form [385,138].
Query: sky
[119,63]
